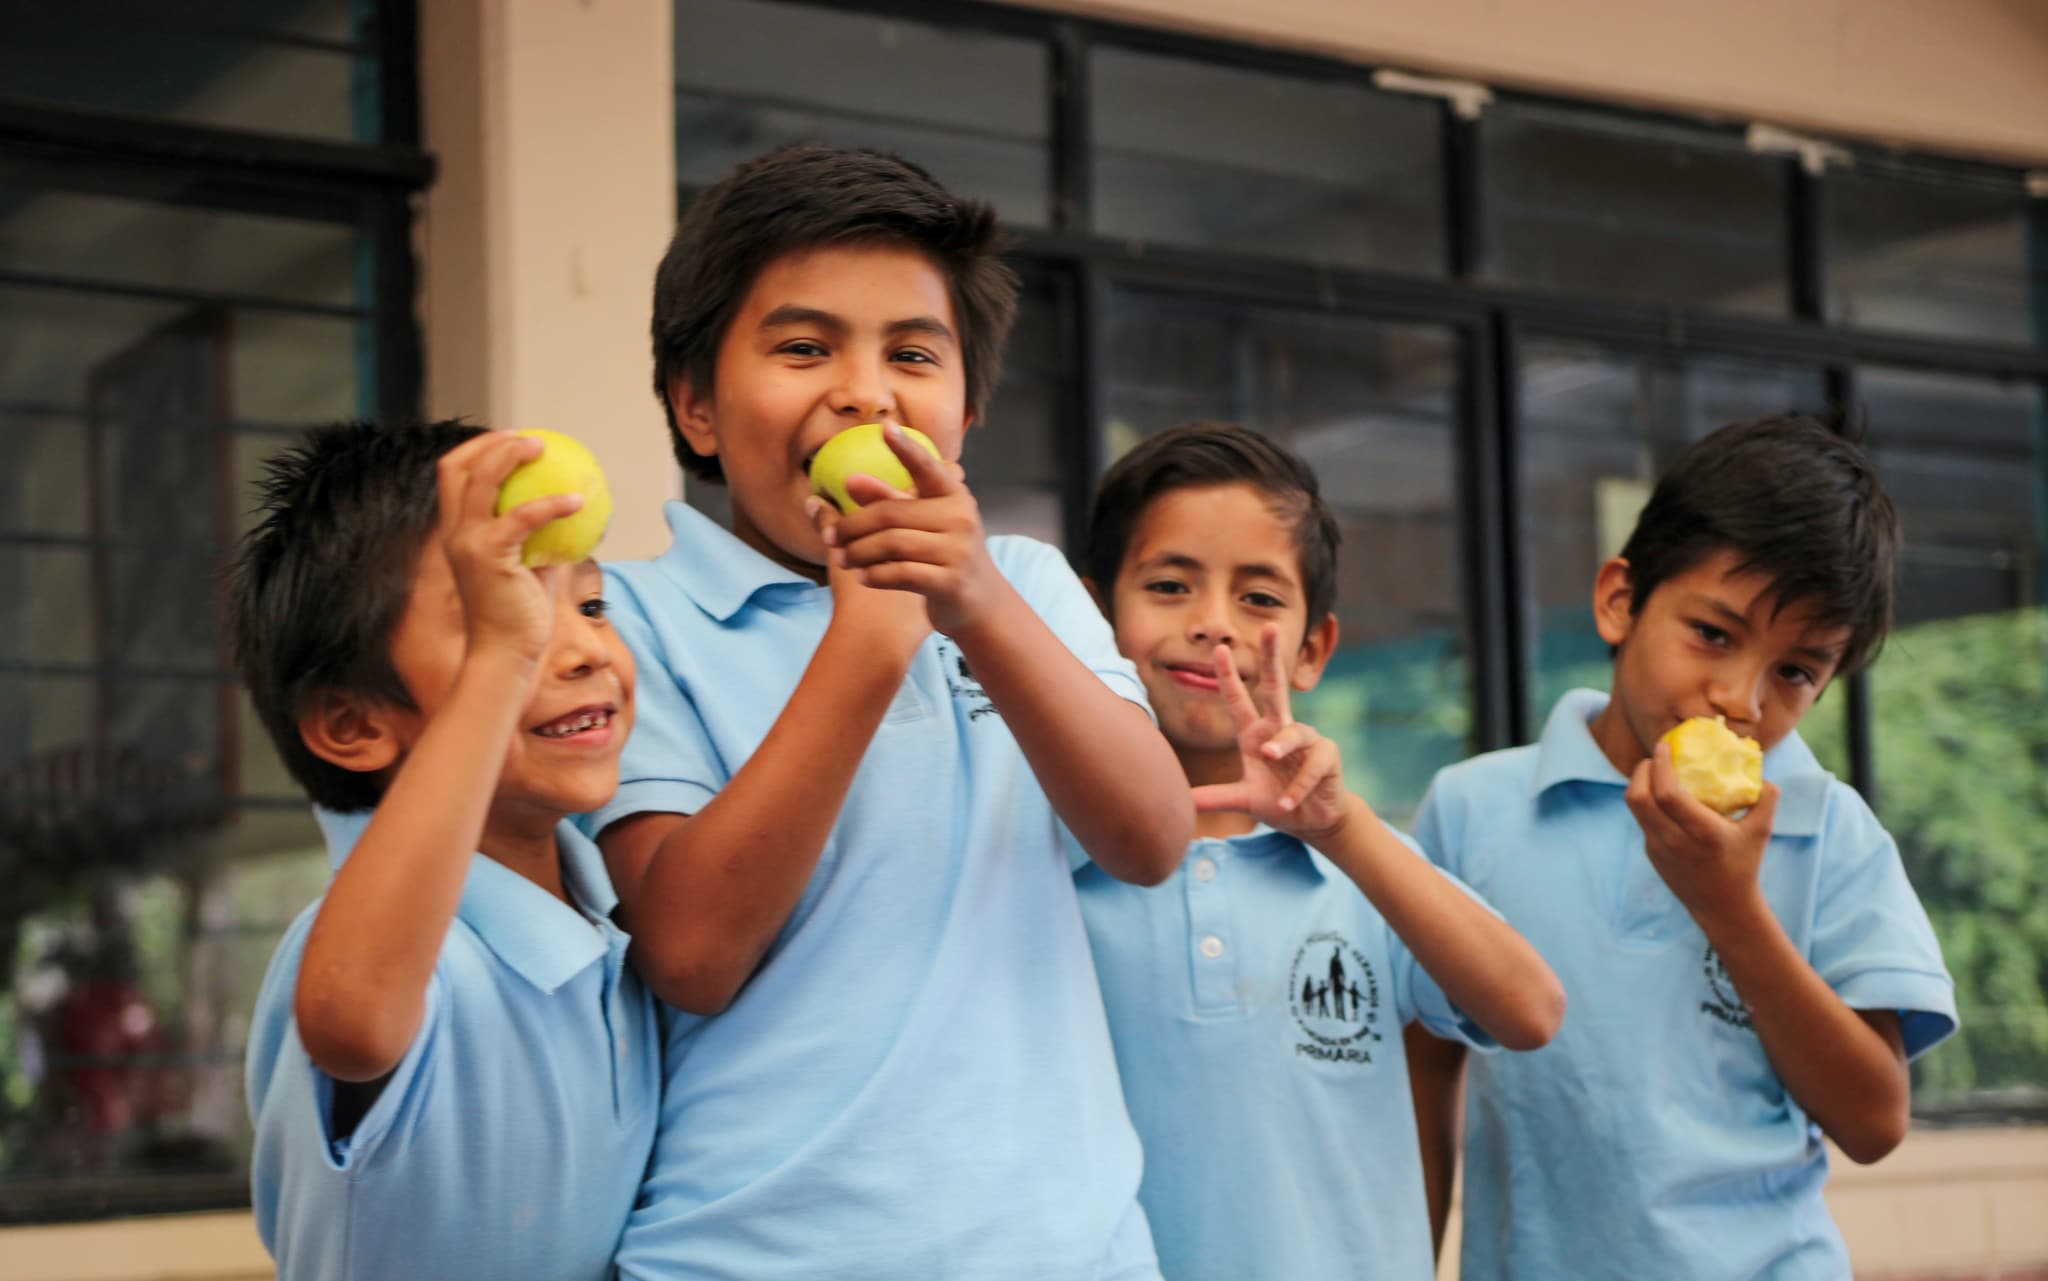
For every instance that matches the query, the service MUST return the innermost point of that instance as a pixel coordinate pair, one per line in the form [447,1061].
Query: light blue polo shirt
[917,1082]
[1256,1001]
[511,1140]
[1652,1138]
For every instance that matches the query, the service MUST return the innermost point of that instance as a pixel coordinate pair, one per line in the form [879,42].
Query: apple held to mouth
[1717,765]
[861,451]
[565,466]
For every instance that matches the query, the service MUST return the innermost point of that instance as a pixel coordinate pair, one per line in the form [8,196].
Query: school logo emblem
[966,690]
[1723,1001]
[1335,997]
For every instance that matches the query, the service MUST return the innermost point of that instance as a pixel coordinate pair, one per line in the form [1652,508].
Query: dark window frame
[368,186]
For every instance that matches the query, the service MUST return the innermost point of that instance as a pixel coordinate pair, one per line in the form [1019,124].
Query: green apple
[861,451]
[564,467]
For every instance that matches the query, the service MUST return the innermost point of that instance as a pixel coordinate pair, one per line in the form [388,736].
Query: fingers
[1764,813]
[1243,712]
[1319,764]
[934,477]
[1290,739]
[1686,812]
[868,490]
[1272,683]
[1223,798]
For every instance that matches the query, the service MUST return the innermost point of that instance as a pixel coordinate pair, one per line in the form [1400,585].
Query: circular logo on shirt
[1335,997]
[1723,1002]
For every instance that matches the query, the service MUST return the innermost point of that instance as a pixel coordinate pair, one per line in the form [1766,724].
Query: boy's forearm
[705,896]
[1436,1080]
[1110,775]
[1483,965]
[1848,1074]
[378,934]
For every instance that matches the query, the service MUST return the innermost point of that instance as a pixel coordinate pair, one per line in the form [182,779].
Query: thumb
[1764,813]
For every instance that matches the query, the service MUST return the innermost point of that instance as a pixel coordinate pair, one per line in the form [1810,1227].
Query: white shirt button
[1212,947]
[1205,869]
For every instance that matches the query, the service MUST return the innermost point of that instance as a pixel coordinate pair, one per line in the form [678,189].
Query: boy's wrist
[999,616]
[1734,923]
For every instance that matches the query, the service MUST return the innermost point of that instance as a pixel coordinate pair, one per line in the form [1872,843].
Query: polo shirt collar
[540,938]
[1267,842]
[1567,754]
[714,568]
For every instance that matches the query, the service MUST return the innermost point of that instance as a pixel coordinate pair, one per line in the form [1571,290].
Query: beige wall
[1967,76]
[554,126]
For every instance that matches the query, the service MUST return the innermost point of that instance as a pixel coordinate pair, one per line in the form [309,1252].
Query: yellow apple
[1722,768]
[861,451]
[564,467]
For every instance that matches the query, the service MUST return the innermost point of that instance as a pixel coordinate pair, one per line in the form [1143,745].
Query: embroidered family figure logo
[1335,997]
[1723,1001]
[960,680]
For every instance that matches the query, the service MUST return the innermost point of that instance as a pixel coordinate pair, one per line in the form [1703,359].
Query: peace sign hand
[1293,777]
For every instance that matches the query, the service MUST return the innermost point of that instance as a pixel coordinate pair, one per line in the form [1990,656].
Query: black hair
[1797,499]
[316,588]
[806,195]
[1197,455]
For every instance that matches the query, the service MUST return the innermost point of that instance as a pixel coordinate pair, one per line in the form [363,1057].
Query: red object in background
[102,1026]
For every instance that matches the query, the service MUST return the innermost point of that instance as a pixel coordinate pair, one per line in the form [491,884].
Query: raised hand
[898,622]
[505,605]
[1293,777]
[1710,862]
[929,542]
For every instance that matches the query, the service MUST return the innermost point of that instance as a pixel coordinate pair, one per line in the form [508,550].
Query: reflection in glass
[1281,166]
[1950,261]
[1960,710]
[151,849]
[299,67]
[1655,215]
[967,105]
[1369,405]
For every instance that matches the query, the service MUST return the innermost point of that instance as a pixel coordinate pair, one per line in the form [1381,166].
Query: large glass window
[308,68]
[163,330]
[1960,705]
[968,105]
[1915,256]
[1608,209]
[1191,153]
[1369,405]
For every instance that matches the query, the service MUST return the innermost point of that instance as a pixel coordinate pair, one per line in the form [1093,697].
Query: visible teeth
[589,720]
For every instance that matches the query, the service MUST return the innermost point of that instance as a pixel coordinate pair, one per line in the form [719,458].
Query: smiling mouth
[1201,677]
[584,720]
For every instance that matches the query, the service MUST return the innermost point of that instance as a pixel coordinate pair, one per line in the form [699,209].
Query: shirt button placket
[1214,960]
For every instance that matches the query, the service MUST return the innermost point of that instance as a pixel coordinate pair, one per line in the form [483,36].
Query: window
[1488,335]
[168,319]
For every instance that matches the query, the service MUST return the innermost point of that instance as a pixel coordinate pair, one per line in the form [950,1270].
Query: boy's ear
[694,416]
[1317,644]
[1613,601]
[345,732]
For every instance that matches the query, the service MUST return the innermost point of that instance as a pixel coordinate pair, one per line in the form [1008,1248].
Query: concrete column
[554,125]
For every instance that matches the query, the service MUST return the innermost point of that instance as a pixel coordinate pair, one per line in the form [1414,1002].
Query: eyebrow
[1181,560]
[790,315]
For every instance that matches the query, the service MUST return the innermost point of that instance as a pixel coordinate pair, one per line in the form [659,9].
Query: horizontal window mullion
[164,293]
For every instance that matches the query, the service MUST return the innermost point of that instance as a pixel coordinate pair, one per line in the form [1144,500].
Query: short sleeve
[1047,583]
[399,1102]
[1871,938]
[668,765]
[1417,996]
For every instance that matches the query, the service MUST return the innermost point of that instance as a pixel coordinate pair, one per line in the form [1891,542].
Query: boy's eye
[1167,587]
[1711,634]
[802,347]
[595,607]
[1264,600]
[915,356]
[1796,675]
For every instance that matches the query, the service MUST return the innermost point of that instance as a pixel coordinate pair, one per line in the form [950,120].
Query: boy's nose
[1211,627]
[864,397]
[1738,698]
